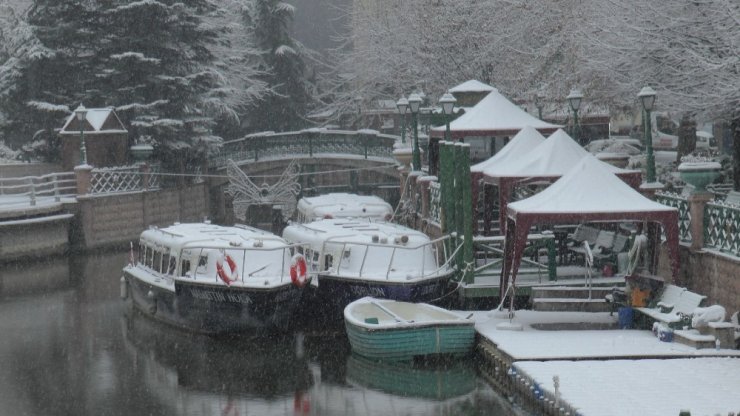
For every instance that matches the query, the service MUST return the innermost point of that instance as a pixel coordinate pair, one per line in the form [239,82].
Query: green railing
[306,143]
[722,227]
[684,216]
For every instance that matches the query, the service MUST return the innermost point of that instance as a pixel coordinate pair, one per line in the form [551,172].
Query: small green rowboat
[399,331]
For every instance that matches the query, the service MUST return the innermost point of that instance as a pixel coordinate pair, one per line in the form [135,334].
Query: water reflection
[70,346]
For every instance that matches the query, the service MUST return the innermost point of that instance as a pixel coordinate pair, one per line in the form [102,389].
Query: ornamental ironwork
[246,193]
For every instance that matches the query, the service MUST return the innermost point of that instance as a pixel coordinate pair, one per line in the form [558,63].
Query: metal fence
[435,203]
[684,215]
[123,179]
[722,227]
[305,143]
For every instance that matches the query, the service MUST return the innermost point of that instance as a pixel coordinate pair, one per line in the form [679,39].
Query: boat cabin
[342,205]
[361,249]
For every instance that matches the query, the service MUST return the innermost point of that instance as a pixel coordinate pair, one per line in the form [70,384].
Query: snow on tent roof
[520,145]
[493,114]
[471,86]
[587,187]
[552,158]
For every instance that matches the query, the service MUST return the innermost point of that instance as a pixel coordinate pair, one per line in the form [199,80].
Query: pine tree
[285,106]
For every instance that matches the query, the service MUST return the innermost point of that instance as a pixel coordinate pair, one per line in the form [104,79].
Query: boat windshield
[384,261]
[245,265]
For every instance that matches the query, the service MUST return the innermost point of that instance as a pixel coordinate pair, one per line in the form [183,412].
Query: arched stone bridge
[330,160]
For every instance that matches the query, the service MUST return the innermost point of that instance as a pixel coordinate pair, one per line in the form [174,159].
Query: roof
[493,115]
[554,157]
[588,187]
[527,139]
[342,205]
[97,120]
[471,86]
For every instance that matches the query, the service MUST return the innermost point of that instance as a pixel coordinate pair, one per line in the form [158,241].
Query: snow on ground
[704,386]
[533,344]
[615,372]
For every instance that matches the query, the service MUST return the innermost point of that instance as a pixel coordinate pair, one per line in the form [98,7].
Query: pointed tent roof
[494,115]
[472,85]
[553,158]
[588,187]
[520,145]
[588,192]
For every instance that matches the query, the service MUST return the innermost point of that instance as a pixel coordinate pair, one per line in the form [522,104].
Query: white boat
[215,279]
[354,258]
[399,331]
[342,205]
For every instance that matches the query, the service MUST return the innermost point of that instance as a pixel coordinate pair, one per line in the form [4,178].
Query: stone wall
[111,220]
[34,237]
[709,273]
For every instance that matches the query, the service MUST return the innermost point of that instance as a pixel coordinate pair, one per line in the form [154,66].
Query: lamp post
[647,99]
[81,114]
[403,105]
[448,104]
[574,100]
[414,103]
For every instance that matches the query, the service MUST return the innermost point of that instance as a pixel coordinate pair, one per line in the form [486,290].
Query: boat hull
[338,292]
[216,309]
[405,343]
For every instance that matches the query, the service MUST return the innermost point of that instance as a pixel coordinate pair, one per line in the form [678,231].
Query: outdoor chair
[575,241]
[609,255]
[603,242]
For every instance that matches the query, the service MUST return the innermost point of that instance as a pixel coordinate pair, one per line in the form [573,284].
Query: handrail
[17,189]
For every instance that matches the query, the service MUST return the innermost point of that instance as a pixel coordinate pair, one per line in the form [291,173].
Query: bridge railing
[307,143]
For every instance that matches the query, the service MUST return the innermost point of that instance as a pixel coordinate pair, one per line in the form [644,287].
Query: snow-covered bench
[673,306]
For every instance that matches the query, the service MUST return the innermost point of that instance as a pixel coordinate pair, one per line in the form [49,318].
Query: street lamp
[414,103]
[81,114]
[574,100]
[647,99]
[448,104]
[403,106]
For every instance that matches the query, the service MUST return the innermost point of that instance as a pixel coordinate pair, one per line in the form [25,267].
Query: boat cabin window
[202,262]
[157,261]
[172,265]
[328,260]
[184,267]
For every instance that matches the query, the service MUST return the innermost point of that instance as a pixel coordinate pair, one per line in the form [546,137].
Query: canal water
[70,346]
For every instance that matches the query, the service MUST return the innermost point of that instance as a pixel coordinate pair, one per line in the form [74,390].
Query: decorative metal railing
[312,142]
[722,227]
[684,215]
[435,203]
[123,179]
[31,189]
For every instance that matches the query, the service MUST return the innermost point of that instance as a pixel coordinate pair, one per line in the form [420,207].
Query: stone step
[562,292]
[570,305]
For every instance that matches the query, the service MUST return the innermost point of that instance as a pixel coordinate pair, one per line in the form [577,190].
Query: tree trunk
[686,136]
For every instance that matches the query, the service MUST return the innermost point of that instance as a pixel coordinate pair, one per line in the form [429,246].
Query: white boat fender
[124,288]
[153,306]
[298,270]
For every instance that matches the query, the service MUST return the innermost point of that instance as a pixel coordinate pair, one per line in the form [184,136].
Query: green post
[403,127]
[552,268]
[416,153]
[466,206]
[650,158]
[458,197]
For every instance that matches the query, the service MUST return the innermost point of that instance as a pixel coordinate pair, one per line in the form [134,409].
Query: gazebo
[487,126]
[545,163]
[588,192]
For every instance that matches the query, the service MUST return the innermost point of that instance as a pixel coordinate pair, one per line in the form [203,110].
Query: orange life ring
[228,275]
[298,270]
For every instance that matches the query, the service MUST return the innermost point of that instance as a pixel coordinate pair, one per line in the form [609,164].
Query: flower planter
[619,160]
[403,155]
[699,174]
[141,152]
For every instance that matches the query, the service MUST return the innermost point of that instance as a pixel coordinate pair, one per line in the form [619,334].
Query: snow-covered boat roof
[343,205]
[360,231]
[179,236]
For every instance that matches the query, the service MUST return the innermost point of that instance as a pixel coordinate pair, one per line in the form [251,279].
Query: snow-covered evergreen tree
[149,59]
[282,67]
